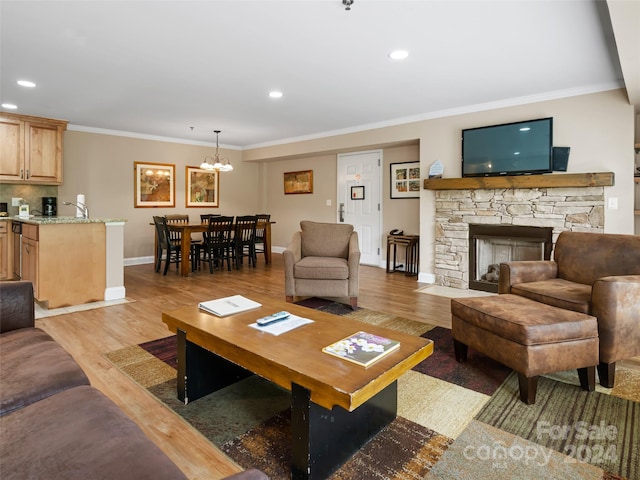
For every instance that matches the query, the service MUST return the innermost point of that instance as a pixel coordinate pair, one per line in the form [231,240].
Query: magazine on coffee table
[362,348]
[228,305]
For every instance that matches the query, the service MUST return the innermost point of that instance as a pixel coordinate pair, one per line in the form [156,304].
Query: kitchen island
[71,260]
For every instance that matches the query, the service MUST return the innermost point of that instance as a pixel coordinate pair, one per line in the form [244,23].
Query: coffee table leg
[201,372]
[322,440]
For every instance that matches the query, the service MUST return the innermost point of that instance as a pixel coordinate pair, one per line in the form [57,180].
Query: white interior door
[359,202]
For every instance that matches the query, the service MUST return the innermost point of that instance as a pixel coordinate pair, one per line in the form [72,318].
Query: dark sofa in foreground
[53,423]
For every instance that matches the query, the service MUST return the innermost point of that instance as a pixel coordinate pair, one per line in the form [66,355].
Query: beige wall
[599,128]
[101,167]
[288,210]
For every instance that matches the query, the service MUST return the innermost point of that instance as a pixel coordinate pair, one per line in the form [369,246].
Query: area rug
[568,433]
[452,418]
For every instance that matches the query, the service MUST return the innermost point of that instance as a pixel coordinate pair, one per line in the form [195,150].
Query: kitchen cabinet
[5,250]
[31,149]
[30,256]
[64,261]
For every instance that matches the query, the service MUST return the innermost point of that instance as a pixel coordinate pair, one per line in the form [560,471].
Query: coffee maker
[49,206]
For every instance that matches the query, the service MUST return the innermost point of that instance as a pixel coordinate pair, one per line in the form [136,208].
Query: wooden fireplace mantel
[554,180]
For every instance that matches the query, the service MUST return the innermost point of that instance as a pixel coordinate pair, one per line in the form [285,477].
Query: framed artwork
[357,192]
[405,180]
[202,187]
[154,185]
[298,182]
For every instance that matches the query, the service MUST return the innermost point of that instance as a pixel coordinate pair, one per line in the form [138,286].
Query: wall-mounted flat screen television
[519,148]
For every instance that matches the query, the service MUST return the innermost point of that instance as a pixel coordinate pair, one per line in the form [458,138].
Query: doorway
[359,200]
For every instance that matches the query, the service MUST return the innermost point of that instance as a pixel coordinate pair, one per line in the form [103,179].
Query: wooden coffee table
[336,406]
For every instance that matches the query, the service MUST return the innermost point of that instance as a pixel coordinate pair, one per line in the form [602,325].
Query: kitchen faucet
[81,206]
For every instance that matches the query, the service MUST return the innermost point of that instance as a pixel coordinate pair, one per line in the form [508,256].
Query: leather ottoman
[530,337]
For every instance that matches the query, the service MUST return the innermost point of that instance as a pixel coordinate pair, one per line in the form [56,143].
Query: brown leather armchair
[323,260]
[592,273]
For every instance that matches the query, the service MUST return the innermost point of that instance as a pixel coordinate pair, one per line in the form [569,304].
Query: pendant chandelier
[217,162]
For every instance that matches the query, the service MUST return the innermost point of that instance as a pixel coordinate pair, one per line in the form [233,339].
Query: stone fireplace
[458,210]
[490,245]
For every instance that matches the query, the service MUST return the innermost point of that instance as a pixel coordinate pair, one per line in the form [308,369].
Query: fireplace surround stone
[564,208]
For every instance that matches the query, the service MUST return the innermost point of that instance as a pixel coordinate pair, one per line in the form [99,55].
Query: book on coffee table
[228,305]
[362,348]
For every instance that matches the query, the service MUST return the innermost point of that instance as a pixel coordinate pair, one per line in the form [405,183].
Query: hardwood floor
[89,334]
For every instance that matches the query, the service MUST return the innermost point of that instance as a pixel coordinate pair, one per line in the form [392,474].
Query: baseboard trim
[426,278]
[138,261]
[114,293]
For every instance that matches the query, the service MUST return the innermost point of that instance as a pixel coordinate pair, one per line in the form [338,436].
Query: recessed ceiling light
[399,54]
[26,83]
[9,106]
[275,94]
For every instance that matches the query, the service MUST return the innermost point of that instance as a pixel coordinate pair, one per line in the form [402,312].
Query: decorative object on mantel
[221,164]
[404,180]
[347,4]
[154,185]
[556,180]
[436,170]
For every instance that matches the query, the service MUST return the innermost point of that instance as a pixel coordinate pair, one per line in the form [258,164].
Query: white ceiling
[162,67]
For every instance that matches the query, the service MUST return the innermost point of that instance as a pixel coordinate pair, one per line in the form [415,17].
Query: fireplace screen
[491,252]
[493,245]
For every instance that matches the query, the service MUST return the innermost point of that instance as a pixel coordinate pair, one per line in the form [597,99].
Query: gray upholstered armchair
[323,260]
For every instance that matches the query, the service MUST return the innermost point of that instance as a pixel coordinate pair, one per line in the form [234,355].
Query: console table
[412,253]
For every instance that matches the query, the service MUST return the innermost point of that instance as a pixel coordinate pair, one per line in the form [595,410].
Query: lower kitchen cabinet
[65,262]
[30,256]
[5,250]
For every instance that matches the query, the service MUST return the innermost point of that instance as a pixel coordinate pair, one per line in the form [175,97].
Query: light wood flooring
[87,335]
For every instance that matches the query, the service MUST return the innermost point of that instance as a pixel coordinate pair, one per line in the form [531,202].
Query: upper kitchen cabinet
[30,149]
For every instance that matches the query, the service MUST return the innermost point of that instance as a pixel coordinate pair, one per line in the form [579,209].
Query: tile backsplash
[32,195]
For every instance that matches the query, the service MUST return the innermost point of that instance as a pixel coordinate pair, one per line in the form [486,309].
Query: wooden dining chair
[261,226]
[219,242]
[176,218]
[166,246]
[196,244]
[202,253]
[244,239]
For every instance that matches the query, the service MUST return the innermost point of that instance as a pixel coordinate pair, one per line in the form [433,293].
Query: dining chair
[219,241]
[244,239]
[176,218]
[196,244]
[261,226]
[204,219]
[166,246]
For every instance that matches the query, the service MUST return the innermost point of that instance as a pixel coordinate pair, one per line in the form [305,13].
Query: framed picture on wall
[202,187]
[405,180]
[154,185]
[298,182]
[357,192]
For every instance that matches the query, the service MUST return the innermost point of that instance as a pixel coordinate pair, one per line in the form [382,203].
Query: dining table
[186,229]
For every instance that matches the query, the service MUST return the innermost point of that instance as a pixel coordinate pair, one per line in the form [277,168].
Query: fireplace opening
[491,245]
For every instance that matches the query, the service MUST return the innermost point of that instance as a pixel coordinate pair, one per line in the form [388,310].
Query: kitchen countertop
[61,220]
